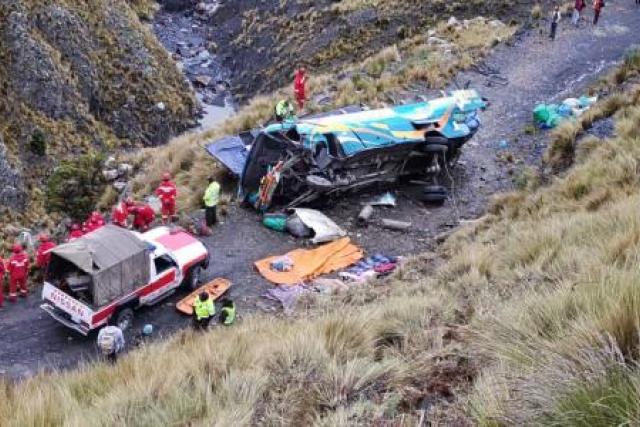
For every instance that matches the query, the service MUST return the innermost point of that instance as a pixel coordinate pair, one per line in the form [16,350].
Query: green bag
[275,222]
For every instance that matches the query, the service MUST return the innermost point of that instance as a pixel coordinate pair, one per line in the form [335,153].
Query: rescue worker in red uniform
[143,217]
[120,214]
[96,219]
[75,233]
[18,271]
[43,254]
[299,87]
[2,268]
[167,194]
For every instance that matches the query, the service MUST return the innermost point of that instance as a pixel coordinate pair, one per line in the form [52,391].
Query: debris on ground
[365,215]
[215,288]
[277,222]
[548,116]
[311,263]
[324,229]
[329,286]
[286,295]
[370,268]
[387,199]
[281,264]
[393,224]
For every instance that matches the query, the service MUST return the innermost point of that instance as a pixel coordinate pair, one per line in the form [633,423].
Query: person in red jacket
[43,254]
[143,217]
[299,86]
[597,7]
[120,214]
[167,194]
[18,271]
[2,268]
[75,232]
[96,219]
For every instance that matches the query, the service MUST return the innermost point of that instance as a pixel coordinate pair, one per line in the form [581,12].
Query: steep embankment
[527,317]
[266,40]
[79,78]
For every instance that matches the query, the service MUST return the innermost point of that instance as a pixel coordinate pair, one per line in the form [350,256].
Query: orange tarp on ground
[311,263]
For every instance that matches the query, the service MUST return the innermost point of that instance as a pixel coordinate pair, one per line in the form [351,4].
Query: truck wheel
[193,279]
[436,194]
[124,319]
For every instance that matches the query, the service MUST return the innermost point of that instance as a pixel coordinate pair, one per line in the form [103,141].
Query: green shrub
[76,185]
[38,143]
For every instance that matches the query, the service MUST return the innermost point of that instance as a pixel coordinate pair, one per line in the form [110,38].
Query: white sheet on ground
[324,228]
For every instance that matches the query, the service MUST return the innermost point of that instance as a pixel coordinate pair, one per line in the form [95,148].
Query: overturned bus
[299,161]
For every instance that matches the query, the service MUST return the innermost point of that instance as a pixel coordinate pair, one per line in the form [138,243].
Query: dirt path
[536,70]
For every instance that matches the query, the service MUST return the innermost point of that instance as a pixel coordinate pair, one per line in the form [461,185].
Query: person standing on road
[299,87]
[597,7]
[211,199]
[203,311]
[111,342]
[18,272]
[167,194]
[555,18]
[577,12]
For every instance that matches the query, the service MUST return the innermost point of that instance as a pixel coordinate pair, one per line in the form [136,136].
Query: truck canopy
[116,259]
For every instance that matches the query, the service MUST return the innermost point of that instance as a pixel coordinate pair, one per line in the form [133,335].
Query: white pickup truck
[102,277]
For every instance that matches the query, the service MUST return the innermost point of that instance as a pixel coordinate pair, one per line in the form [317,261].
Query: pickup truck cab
[102,277]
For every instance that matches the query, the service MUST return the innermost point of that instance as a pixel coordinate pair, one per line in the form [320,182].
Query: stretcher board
[216,288]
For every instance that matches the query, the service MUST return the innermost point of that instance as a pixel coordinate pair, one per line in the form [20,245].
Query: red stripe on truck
[169,277]
[108,310]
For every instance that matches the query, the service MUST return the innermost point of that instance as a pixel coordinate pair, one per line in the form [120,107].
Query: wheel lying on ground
[123,319]
[435,194]
[193,278]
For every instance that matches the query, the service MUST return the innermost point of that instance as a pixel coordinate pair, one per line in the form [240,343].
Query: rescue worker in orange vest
[167,194]
[43,254]
[75,233]
[120,214]
[2,268]
[18,271]
[143,217]
[299,87]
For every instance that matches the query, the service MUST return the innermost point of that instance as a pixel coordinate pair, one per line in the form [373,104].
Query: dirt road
[535,70]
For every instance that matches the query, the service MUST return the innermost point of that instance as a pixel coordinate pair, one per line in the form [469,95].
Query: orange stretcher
[215,288]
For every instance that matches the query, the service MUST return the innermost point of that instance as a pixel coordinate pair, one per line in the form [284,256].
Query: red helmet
[43,237]
[75,227]
[16,249]
[166,176]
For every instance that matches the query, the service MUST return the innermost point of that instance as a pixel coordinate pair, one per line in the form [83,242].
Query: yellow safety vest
[212,195]
[231,314]
[204,309]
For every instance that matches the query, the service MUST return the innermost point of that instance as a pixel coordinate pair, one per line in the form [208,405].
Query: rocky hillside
[79,77]
[268,38]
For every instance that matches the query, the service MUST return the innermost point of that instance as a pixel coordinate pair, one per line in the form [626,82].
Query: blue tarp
[231,152]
